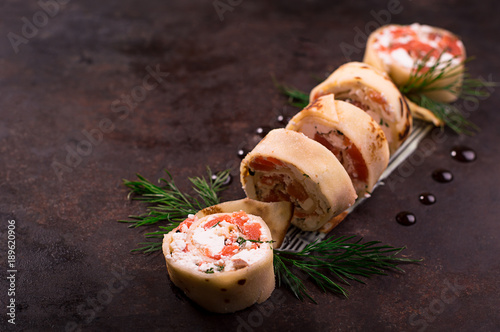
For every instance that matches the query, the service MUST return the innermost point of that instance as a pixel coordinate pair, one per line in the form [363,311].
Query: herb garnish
[329,263]
[242,240]
[296,97]
[169,204]
[425,79]
[211,270]
[332,262]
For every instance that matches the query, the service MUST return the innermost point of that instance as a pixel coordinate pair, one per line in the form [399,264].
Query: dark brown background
[65,80]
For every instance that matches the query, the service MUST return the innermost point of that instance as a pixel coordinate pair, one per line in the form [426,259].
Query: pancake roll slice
[372,91]
[395,49]
[289,166]
[350,134]
[222,261]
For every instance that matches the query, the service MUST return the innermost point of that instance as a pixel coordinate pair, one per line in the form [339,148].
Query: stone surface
[71,78]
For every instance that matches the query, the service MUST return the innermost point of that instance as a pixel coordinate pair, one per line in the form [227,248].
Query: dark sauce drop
[262,131]
[241,153]
[442,175]
[228,181]
[427,198]
[406,218]
[463,154]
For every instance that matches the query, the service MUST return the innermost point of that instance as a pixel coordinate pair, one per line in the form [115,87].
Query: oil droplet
[427,198]
[463,154]
[262,131]
[406,218]
[283,120]
[241,153]
[442,175]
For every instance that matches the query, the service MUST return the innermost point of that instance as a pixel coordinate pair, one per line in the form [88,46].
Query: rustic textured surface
[69,77]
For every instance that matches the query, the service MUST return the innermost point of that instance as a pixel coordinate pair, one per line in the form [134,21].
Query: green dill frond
[295,97]
[422,78]
[425,79]
[169,205]
[332,263]
[448,113]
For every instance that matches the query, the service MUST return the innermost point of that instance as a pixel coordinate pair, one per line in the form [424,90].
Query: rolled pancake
[277,215]
[372,91]
[223,262]
[395,49]
[350,134]
[288,166]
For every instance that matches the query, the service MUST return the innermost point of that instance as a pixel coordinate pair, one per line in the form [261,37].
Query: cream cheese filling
[189,247]
[423,33]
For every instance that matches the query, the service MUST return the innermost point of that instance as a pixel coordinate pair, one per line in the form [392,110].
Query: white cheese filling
[208,240]
[189,247]
[385,39]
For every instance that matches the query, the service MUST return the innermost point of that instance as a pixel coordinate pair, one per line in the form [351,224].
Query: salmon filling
[349,156]
[222,242]
[373,103]
[406,44]
[276,183]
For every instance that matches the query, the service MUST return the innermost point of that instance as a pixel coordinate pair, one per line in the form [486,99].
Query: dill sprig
[296,97]
[422,78]
[425,79]
[448,113]
[331,263]
[169,204]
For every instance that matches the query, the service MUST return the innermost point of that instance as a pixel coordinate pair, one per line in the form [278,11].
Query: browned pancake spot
[316,104]
[211,210]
